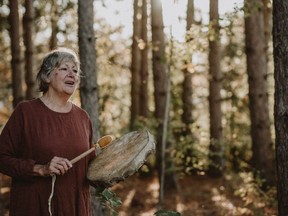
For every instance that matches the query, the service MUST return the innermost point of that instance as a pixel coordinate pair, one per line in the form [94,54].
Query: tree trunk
[15,52]
[160,68]
[54,26]
[187,118]
[267,13]
[160,78]
[280,44]
[28,30]
[144,98]
[88,84]
[263,157]
[135,66]
[216,146]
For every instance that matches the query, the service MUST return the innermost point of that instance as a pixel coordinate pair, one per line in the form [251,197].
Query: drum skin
[120,159]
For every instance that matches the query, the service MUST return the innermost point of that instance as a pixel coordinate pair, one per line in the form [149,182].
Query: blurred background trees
[216,80]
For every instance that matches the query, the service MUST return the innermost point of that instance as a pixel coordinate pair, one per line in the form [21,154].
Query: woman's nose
[71,72]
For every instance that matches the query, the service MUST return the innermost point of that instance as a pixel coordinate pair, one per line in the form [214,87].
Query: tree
[15,52]
[144,98]
[159,61]
[54,27]
[28,30]
[87,52]
[88,84]
[135,66]
[267,14]
[215,147]
[161,97]
[187,83]
[263,157]
[280,42]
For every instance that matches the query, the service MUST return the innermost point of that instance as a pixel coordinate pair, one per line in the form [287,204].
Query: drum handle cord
[51,194]
[101,143]
[54,177]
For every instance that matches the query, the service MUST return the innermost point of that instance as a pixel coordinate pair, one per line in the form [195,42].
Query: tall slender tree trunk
[54,27]
[159,63]
[216,144]
[88,84]
[28,30]
[160,78]
[87,51]
[135,66]
[187,118]
[267,15]
[280,44]
[263,156]
[15,52]
[144,98]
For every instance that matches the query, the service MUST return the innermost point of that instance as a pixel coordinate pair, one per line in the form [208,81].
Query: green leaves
[166,213]
[109,199]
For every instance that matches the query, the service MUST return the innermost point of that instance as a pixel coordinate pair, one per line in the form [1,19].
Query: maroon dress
[34,134]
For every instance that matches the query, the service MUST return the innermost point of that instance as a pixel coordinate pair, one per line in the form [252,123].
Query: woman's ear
[47,80]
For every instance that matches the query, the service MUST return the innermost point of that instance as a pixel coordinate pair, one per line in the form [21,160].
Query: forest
[210,85]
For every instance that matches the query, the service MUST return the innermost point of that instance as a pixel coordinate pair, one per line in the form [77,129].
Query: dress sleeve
[11,143]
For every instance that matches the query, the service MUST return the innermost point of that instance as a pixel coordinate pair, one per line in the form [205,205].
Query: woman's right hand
[57,165]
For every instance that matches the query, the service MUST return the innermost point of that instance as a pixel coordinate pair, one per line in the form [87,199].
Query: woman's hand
[57,165]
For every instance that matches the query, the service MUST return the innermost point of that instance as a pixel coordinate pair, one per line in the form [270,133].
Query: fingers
[58,166]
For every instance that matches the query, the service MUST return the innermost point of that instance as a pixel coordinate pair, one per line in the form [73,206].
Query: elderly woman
[39,140]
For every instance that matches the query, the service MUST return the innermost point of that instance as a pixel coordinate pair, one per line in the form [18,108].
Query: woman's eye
[75,71]
[63,69]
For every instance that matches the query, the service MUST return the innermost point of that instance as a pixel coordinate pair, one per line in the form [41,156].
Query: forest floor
[197,196]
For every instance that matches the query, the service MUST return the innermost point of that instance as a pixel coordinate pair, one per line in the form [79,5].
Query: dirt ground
[198,196]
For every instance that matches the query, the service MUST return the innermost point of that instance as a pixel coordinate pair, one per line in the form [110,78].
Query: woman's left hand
[57,166]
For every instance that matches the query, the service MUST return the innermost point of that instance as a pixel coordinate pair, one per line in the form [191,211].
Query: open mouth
[70,83]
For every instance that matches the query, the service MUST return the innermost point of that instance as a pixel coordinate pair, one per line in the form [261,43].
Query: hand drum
[120,159]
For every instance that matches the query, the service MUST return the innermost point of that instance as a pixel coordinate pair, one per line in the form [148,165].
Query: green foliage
[249,189]
[113,59]
[109,199]
[251,7]
[3,17]
[166,213]
[188,155]
[189,150]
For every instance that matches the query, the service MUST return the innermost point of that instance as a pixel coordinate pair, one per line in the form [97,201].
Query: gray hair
[53,60]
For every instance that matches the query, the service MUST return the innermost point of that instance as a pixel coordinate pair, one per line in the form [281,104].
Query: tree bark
[280,46]
[17,78]
[144,98]
[28,30]
[263,157]
[54,26]
[87,52]
[160,79]
[216,146]
[267,15]
[159,61]
[88,84]
[187,117]
[135,67]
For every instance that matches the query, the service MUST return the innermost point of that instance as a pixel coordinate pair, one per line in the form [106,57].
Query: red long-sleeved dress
[34,134]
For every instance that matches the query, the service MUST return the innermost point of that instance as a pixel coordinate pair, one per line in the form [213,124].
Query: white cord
[51,195]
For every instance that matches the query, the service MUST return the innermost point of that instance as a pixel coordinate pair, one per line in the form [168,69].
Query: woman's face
[64,79]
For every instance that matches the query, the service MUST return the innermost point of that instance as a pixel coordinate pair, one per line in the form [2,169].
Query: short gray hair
[53,60]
